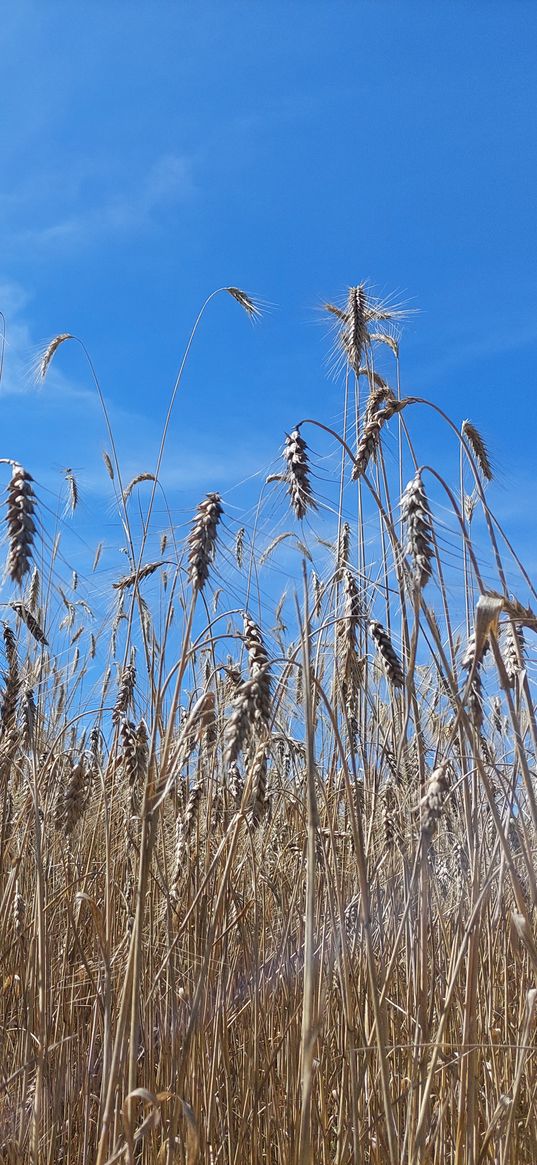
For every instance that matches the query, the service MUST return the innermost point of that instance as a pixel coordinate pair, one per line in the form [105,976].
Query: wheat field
[268,802]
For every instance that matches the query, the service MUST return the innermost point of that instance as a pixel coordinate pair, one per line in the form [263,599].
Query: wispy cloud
[459,351]
[64,424]
[131,204]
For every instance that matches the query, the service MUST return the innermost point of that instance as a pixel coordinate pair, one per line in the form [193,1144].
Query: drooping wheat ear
[239,547]
[135,754]
[259,669]
[250,306]
[487,615]
[381,394]
[49,352]
[386,338]
[433,800]
[514,650]
[21,527]
[367,446]
[416,514]
[202,540]
[370,437]
[516,610]
[258,800]
[72,486]
[137,576]
[8,713]
[479,449]
[391,663]
[71,800]
[376,381]
[297,474]
[31,622]
[332,310]
[343,549]
[125,691]
[392,406]
[140,477]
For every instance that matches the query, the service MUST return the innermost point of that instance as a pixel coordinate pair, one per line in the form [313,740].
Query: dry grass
[268,886]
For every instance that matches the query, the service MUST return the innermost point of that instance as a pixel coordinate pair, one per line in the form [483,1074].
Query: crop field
[268,799]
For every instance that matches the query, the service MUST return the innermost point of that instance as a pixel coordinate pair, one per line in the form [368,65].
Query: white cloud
[63,422]
[131,205]
[460,351]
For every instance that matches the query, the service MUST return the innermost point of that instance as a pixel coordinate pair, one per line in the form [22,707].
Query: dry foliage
[268,886]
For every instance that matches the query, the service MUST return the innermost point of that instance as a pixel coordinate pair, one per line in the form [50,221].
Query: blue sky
[154,151]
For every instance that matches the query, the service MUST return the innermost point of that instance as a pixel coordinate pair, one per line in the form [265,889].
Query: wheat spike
[259,668]
[20,523]
[343,549]
[416,515]
[140,477]
[433,800]
[249,708]
[350,667]
[202,540]
[390,660]
[125,692]
[367,446]
[385,338]
[239,546]
[250,306]
[31,622]
[258,800]
[137,576]
[72,486]
[71,800]
[49,352]
[297,475]
[354,336]
[108,464]
[135,755]
[12,682]
[19,912]
[513,651]
[479,449]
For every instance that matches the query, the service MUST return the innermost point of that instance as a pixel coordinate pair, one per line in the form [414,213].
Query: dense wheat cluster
[268,878]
